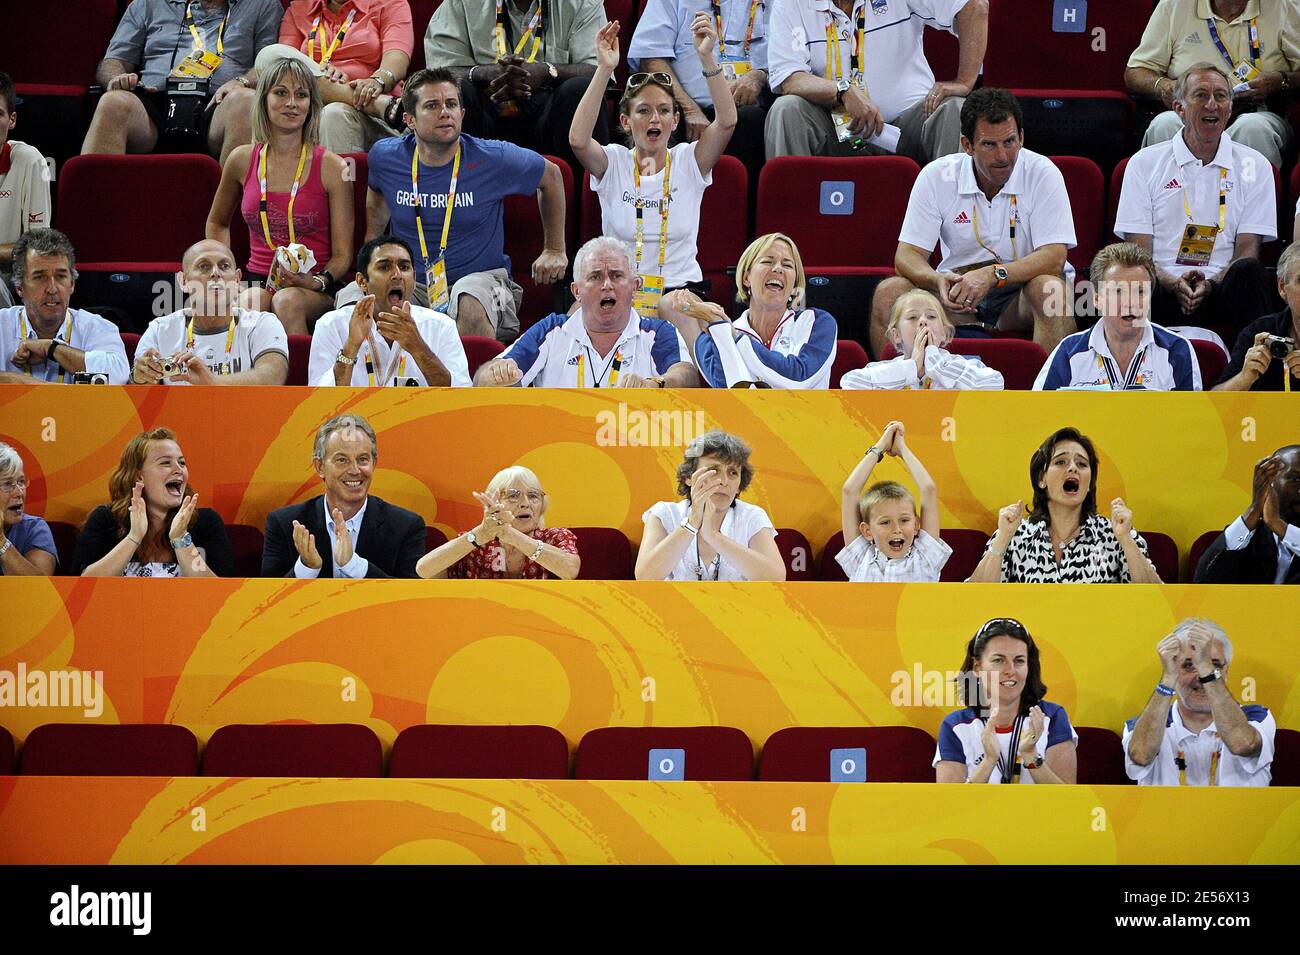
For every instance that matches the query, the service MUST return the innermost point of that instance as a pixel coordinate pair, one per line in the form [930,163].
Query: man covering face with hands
[1261,546]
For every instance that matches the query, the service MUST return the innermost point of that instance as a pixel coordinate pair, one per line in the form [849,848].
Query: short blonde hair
[302,76]
[525,476]
[1127,254]
[752,254]
[901,303]
[883,491]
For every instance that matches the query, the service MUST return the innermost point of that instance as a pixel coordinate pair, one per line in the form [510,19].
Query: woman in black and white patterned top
[1064,540]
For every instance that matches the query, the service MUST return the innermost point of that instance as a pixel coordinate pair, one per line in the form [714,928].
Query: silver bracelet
[537,553]
[5,549]
[709,74]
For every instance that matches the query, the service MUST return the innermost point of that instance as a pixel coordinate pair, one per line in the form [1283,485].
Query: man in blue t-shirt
[468,275]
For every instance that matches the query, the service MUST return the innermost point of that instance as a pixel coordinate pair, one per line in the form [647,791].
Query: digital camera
[1278,346]
[89,378]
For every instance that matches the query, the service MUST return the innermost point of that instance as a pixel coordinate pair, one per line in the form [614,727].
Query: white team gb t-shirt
[256,333]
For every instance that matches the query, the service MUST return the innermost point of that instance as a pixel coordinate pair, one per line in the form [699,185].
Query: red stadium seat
[522,223]
[1286,758]
[619,752]
[1197,551]
[1018,360]
[65,67]
[479,350]
[130,341]
[1163,553]
[246,547]
[1212,361]
[1100,755]
[103,749]
[624,11]
[606,554]
[895,754]
[8,764]
[1293,196]
[433,538]
[967,549]
[297,749]
[1087,189]
[797,554]
[421,12]
[848,356]
[723,234]
[1025,51]
[65,541]
[299,359]
[942,52]
[480,752]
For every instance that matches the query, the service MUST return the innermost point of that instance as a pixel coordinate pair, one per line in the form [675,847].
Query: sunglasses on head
[638,80]
[1001,625]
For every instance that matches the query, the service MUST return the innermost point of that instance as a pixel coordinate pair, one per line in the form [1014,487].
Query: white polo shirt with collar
[898,76]
[948,206]
[1198,753]
[1160,177]
[557,352]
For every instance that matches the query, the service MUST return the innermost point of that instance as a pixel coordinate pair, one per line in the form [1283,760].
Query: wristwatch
[1000,276]
[469,536]
[184,541]
[5,549]
[841,87]
[1037,762]
[343,359]
[1211,677]
[554,73]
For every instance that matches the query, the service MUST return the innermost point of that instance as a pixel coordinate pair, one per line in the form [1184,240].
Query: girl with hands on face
[512,540]
[709,534]
[1063,539]
[153,527]
[1008,732]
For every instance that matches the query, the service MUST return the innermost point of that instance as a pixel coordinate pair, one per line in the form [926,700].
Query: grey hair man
[366,536]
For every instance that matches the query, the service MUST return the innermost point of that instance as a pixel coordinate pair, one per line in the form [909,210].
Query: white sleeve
[326,342]
[149,340]
[1133,770]
[1255,179]
[922,222]
[896,373]
[785,58]
[1267,730]
[960,372]
[1237,535]
[106,355]
[1136,213]
[616,156]
[940,14]
[268,336]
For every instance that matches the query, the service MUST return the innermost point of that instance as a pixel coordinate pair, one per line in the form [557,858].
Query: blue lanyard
[1254,42]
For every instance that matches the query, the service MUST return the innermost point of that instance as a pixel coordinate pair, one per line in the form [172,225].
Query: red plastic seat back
[1100,755]
[298,749]
[1163,553]
[1024,49]
[480,752]
[797,554]
[479,350]
[1086,187]
[849,355]
[894,754]
[103,749]
[606,554]
[56,43]
[246,548]
[711,752]
[1286,758]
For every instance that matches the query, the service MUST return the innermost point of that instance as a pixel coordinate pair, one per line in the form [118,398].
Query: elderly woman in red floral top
[511,541]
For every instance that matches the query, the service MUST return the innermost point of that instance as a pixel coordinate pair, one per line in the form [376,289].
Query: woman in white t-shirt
[709,534]
[1008,733]
[632,182]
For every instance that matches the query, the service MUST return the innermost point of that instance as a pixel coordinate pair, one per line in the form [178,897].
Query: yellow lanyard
[1223,201]
[1214,765]
[198,38]
[663,211]
[536,28]
[451,201]
[615,364]
[66,339]
[372,358]
[293,193]
[327,55]
[230,342]
[749,31]
[833,47]
[975,226]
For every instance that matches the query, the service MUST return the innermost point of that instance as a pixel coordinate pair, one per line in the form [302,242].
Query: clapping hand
[342,540]
[139,513]
[304,541]
[496,517]
[1029,736]
[181,522]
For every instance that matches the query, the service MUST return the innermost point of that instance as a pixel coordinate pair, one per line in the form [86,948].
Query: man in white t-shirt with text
[385,340]
[1002,219]
[1202,205]
[211,341]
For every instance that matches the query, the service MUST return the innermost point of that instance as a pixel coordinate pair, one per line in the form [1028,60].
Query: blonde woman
[307,200]
[776,342]
[511,541]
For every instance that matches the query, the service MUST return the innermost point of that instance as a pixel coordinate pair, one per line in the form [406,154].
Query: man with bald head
[1192,732]
[212,341]
[1262,546]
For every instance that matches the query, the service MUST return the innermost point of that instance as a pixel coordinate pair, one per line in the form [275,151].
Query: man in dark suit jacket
[388,539]
[1263,545]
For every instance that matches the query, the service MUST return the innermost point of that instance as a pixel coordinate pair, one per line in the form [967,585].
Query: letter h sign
[1069,16]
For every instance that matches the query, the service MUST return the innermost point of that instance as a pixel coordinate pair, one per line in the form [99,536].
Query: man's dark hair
[368,251]
[992,105]
[7,91]
[411,92]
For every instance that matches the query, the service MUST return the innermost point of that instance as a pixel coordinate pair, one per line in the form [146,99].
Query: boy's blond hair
[883,491]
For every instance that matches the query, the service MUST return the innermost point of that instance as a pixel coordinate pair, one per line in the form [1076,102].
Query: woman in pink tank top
[287,189]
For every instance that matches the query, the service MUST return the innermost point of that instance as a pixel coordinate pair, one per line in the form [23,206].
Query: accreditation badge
[198,64]
[842,121]
[1245,72]
[734,69]
[1197,245]
[646,300]
[439,294]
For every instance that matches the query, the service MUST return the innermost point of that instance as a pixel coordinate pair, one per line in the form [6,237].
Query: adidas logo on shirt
[573,360]
[962,218]
[1193,37]
[1173,184]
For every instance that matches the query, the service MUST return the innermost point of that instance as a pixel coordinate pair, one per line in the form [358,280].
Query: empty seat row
[348,750]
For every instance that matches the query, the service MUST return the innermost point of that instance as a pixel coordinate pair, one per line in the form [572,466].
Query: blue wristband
[1165,691]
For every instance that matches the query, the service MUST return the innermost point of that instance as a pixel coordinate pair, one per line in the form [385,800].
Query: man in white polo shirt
[43,341]
[1124,351]
[1002,218]
[604,343]
[211,341]
[414,346]
[1207,738]
[877,74]
[1203,205]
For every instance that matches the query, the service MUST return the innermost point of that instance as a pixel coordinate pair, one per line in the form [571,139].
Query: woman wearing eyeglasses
[26,543]
[1016,736]
[650,194]
[511,541]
